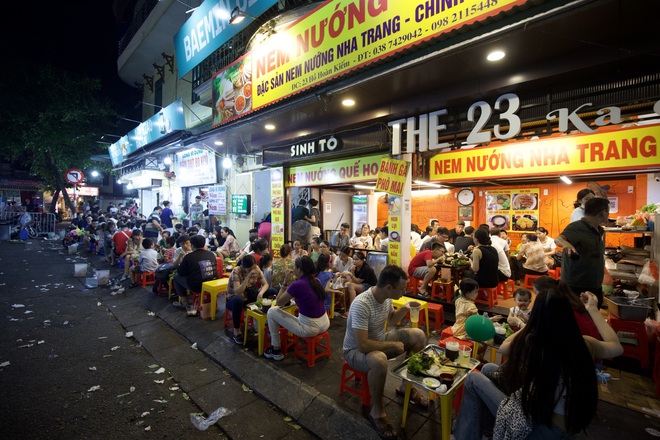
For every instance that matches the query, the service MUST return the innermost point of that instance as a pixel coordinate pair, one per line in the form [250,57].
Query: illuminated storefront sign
[329,173]
[208,28]
[166,121]
[336,38]
[633,148]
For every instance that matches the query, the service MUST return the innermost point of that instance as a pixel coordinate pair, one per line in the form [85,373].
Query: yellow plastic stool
[397,303]
[213,288]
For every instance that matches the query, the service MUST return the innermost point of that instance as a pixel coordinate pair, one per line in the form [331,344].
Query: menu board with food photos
[513,209]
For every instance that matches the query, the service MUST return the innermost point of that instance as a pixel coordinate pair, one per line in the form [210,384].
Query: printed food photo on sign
[525,201]
[498,202]
[232,91]
[276,202]
[525,222]
[498,221]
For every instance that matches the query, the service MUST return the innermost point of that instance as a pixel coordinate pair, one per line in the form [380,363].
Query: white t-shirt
[366,314]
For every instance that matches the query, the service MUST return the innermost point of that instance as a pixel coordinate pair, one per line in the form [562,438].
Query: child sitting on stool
[147,261]
[465,308]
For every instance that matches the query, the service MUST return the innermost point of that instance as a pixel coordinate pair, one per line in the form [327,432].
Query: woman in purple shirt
[309,295]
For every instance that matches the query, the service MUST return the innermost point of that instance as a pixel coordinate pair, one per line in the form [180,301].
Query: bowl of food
[447,379]
[431,382]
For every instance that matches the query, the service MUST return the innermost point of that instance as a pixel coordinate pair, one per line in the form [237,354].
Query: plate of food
[525,222]
[431,382]
[498,202]
[526,201]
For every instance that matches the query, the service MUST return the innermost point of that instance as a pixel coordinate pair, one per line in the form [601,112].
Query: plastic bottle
[485,314]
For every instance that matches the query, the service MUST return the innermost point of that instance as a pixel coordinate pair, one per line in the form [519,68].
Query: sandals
[416,398]
[384,429]
[178,305]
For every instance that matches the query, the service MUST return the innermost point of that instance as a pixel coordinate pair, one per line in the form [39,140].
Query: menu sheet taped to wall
[513,209]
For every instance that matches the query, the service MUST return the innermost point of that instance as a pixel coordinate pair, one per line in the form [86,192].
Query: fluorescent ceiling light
[218,143]
[565,179]
[423,183]
[365,187]
[269,127]
[495,55]
[348,102]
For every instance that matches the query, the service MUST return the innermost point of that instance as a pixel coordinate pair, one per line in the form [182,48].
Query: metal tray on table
[401,371]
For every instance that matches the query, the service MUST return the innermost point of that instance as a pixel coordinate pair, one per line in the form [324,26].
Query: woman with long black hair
[547,387]
[312,318]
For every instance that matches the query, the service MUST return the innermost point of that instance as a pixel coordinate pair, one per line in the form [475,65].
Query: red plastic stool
[358,376]
[144,278]
[447,335]
[490,294]
[286,340]
[632,330]
[529,281]
[436,315]
[229,318]
[441,289]
[506,289]
[307,348]
[413,285]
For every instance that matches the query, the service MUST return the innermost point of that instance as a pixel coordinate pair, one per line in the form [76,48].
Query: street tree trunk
[59,183]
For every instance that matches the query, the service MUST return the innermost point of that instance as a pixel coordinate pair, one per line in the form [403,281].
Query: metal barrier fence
[42,222]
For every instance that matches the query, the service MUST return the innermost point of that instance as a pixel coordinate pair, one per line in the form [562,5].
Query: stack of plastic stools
[348,374]
[307,348]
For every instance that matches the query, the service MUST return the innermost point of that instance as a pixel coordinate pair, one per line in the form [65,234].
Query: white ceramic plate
[431,382]
[519,202]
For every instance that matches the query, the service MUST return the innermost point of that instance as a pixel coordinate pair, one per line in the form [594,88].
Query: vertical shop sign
[392,176]
[277,210]
[218,200]
[394,212]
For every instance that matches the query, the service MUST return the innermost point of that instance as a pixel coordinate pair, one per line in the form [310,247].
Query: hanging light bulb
[226,162]
[167,160]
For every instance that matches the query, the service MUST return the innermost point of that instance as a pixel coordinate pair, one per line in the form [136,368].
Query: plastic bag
[203,424]
[649,273]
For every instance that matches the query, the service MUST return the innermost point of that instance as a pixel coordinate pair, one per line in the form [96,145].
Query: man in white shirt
[503,266]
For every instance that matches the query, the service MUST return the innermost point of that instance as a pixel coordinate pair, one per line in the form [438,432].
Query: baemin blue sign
[208,28]
[164,122]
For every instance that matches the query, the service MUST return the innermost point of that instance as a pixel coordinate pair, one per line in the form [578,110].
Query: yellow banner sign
[276,211]
[340,36]
[392,176]
[626,149]
[349,170]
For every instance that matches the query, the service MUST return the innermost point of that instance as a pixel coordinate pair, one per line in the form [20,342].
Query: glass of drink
[414,311]
[451,350]
[464,354]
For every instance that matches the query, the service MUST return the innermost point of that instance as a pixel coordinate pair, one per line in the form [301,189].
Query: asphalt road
[69,370]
